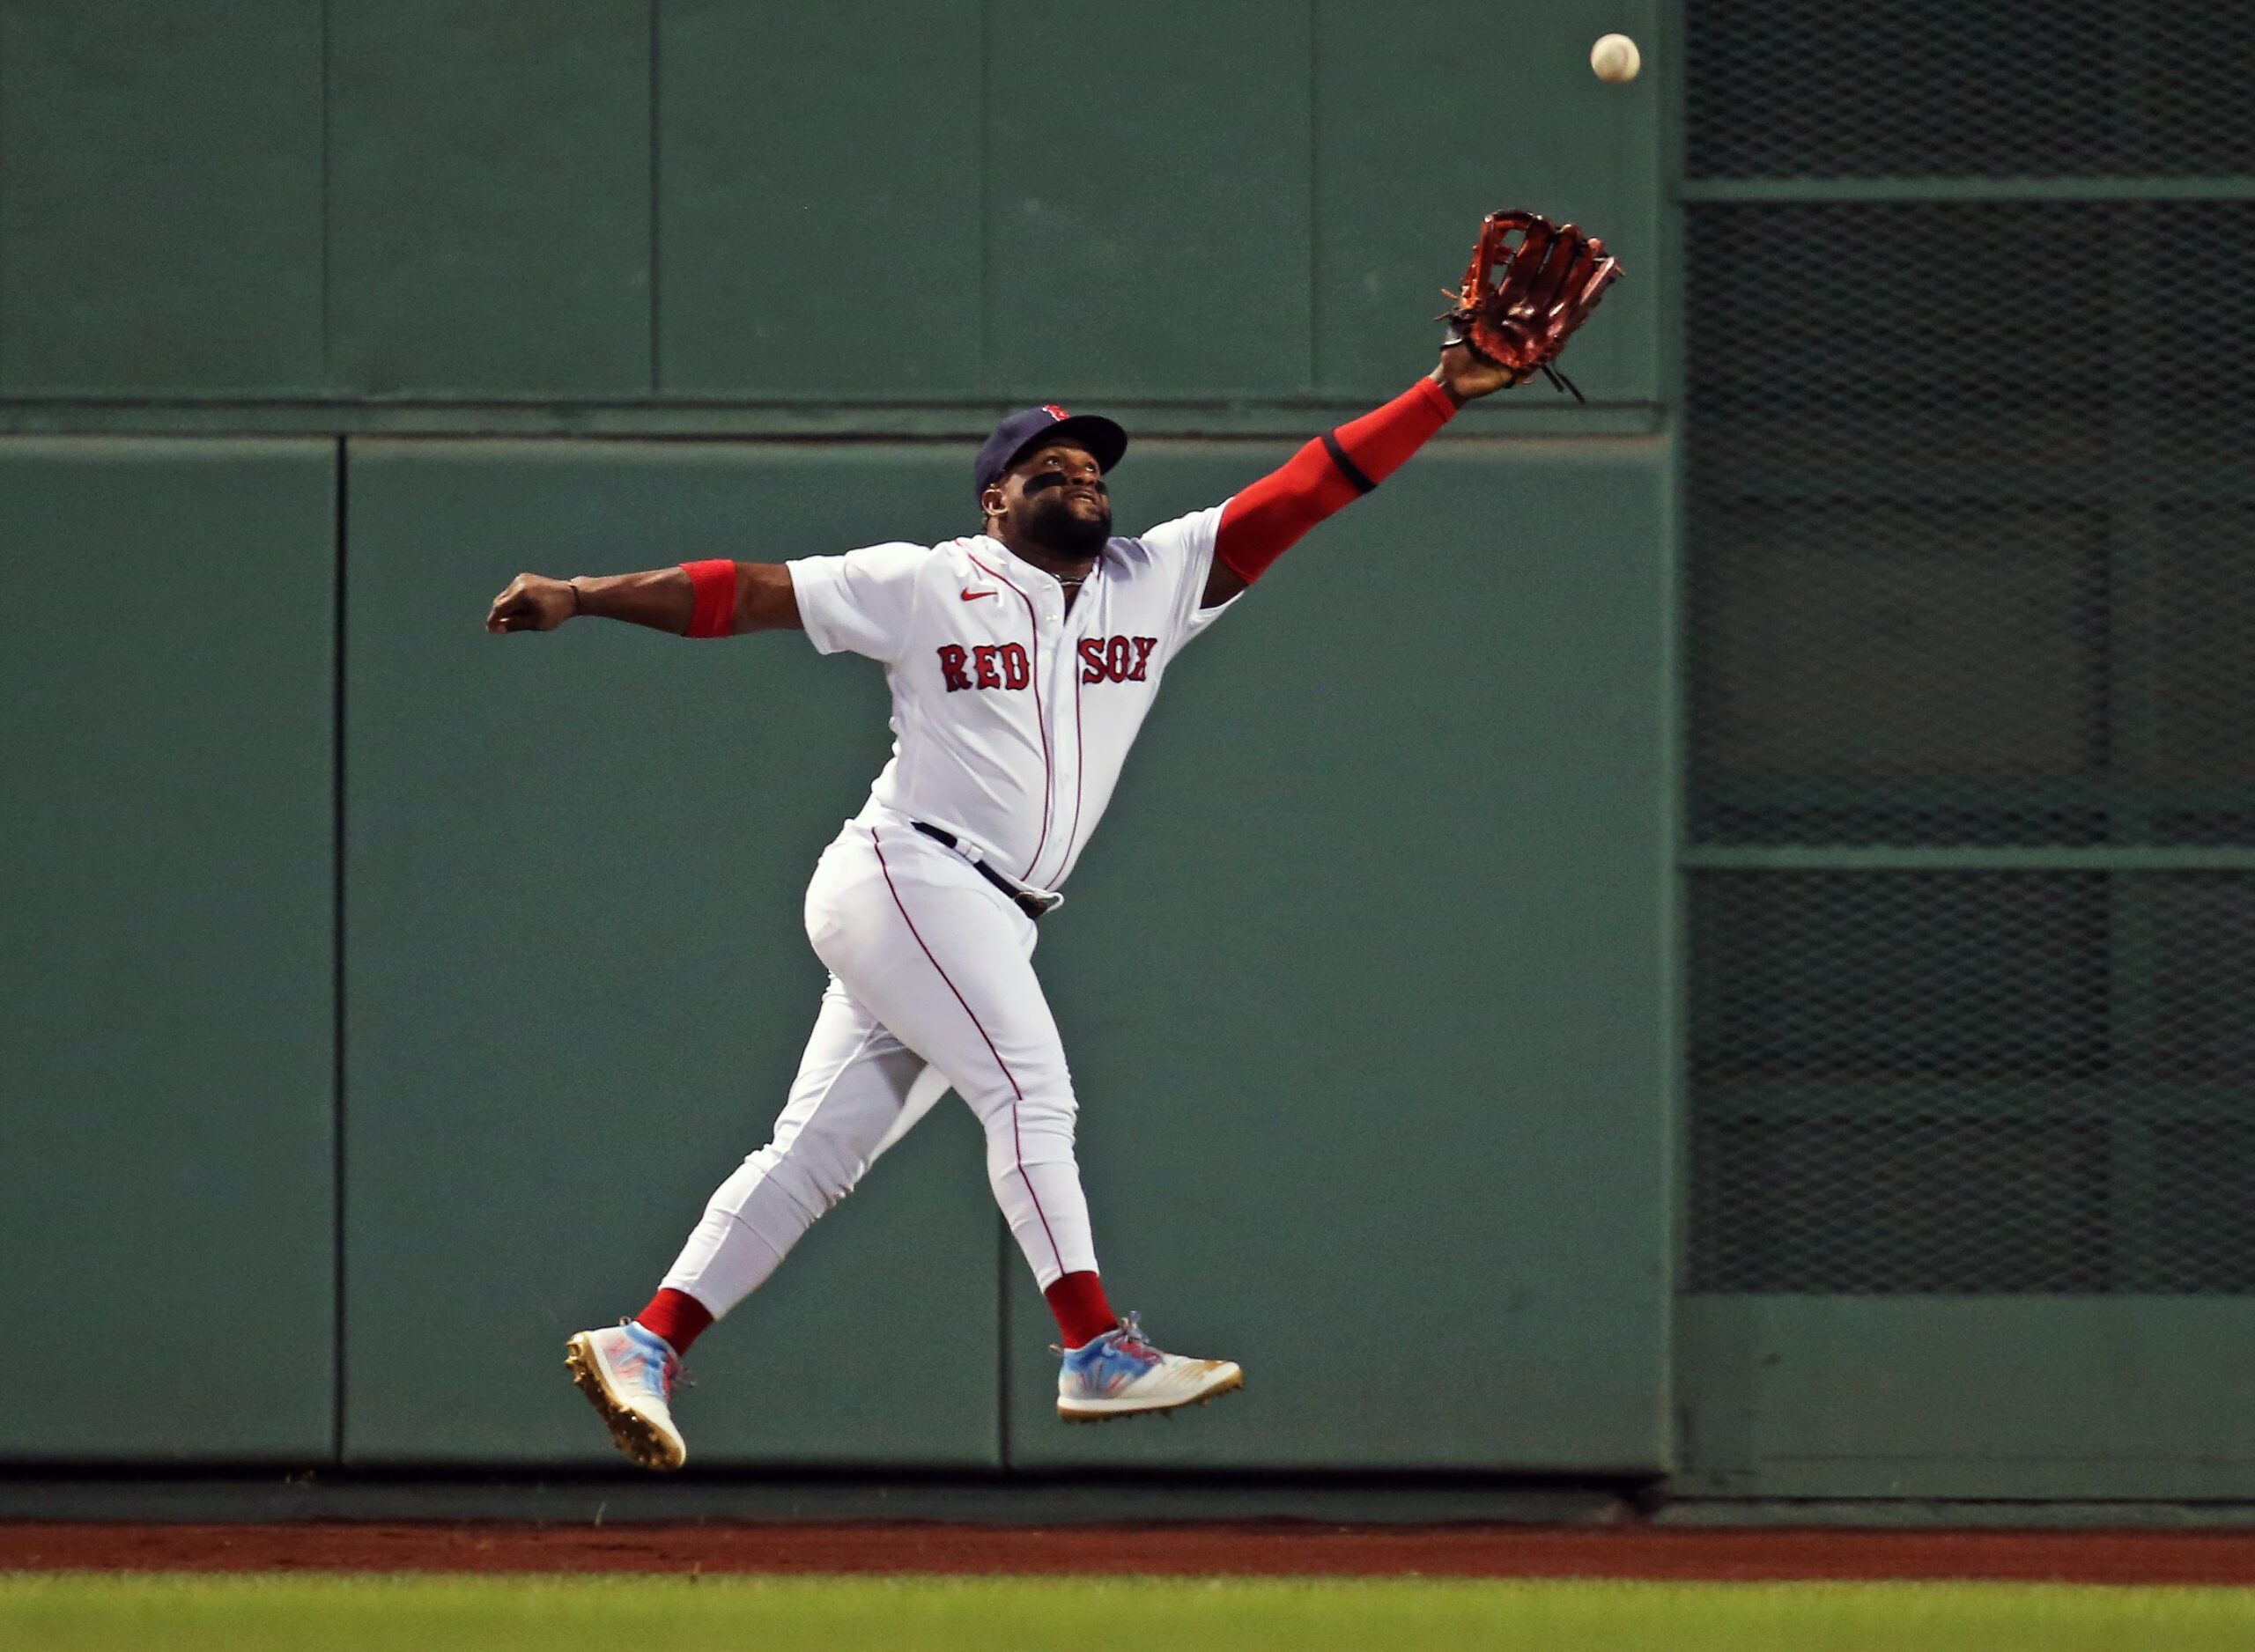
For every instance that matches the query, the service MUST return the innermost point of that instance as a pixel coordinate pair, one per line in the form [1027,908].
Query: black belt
[1032,905]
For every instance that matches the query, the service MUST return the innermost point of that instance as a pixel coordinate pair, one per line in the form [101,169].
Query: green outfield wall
[1691,937]
[168,1063]
[371,976]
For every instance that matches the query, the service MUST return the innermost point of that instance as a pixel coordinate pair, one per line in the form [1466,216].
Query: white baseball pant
[932,987]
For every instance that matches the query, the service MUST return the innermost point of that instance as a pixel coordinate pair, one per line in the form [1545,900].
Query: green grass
[71,1613]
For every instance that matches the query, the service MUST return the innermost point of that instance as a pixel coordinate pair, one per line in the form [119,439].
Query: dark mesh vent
[1922,1203]
[1988,1082]
[1999,88]
[2195,943]
[2202,734]
[1969,646]
[2185,397]
[1948,585]
[1889,977]
[2203,1236]
[1819,362]
[1898,673]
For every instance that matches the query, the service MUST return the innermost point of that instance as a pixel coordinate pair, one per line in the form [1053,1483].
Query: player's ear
[993,501]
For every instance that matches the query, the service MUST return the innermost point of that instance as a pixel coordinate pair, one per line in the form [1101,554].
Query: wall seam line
[1679,1414]
[1314,201]
[979,381]
[1005,1260]
[337,945]
[3,202]
[657,370]
[325,231]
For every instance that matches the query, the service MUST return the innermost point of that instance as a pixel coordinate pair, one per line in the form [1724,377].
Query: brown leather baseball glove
[1522,300]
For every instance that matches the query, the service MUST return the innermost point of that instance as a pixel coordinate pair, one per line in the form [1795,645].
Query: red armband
[1267,519]
[712,587]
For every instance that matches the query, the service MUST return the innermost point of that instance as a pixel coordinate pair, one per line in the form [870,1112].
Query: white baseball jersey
[1011,717]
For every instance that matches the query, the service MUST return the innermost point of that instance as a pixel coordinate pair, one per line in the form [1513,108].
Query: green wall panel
[819,201]
[1147,199]
[490,196]
[1366,983]
[1979,1397]
[1416,140]
[577,978]
[161,204]
[166,1154]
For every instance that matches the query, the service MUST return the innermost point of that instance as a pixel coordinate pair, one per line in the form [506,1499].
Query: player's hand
[532,602]
[1465,374]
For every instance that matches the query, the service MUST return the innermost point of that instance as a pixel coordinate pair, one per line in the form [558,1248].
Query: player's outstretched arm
[697,599]
[1269,518]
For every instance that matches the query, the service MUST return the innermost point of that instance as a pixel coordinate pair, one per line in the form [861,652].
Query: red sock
[677,1316]
[1083,1314]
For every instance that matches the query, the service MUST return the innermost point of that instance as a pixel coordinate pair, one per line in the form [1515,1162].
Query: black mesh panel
[1970,647]
[1987,88]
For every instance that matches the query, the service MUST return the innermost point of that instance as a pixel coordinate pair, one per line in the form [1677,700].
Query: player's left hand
[1465,374]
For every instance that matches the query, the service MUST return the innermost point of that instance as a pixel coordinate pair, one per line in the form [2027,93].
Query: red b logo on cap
[1054,411]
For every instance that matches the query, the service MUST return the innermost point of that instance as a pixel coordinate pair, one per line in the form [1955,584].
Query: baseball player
[1022,659]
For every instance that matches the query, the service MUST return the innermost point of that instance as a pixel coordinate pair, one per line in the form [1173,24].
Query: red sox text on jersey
[1005,665]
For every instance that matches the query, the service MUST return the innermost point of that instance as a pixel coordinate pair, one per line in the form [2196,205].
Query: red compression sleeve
[1269,518]
[713,586]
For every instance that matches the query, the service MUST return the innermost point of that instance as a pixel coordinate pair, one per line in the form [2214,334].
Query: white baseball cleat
[1120,1373]
[627,1374]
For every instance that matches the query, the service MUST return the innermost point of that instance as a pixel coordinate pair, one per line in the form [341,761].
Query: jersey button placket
[1048,631]
[1064,689]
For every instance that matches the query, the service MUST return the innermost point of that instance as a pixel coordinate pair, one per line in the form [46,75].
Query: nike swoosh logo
[973,596]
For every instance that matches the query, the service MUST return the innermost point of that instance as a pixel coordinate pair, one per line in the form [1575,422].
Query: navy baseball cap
[1105,439]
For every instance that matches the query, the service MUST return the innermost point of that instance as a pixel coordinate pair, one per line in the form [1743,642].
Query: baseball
[1614,58]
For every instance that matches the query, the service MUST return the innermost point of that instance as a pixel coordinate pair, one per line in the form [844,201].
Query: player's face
[1055,497]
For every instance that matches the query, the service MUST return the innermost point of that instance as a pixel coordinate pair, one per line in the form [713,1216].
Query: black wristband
[1348,467]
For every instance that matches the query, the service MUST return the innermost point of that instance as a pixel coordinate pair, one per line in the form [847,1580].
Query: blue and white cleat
[1120,1373]
[627,1374]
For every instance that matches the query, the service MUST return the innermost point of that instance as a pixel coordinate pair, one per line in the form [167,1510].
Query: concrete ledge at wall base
[626,1495]
[1916,1514]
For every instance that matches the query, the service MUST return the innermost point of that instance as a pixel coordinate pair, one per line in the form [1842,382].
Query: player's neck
[1066,570]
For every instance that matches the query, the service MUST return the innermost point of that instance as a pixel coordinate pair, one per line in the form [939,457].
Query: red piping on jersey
[1040,722]
[1080,771]
[1267,519]
[1017,1148]
[1080,742]
[1080,758]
